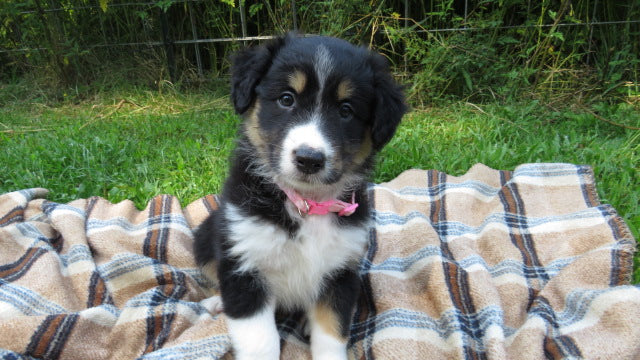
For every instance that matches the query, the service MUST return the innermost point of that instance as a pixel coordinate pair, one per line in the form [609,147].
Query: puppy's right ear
[390,105]
[248,67]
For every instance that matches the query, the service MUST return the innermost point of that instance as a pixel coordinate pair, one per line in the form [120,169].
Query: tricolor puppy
[294,216]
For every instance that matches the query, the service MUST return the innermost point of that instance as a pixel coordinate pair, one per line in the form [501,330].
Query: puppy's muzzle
[308,160]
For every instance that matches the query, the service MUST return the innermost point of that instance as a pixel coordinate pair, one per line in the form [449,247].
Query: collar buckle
[306,204]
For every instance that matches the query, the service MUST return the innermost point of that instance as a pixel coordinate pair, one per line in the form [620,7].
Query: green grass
[132,147]
[135,144]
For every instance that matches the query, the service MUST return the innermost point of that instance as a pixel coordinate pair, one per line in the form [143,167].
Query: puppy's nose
[308,160]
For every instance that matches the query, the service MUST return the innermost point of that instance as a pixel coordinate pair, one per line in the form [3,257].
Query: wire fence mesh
[198,35]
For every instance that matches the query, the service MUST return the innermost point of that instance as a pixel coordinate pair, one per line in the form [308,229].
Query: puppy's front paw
[255,336]
[326,347]
[213,304]
[327,340]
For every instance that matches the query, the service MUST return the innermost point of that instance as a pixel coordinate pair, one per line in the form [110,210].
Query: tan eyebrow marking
[345,90]
[252,128]
[323,65]
[298,81]
[365,149]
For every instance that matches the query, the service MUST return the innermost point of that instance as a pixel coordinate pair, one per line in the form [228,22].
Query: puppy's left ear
[248,68]
[389,103]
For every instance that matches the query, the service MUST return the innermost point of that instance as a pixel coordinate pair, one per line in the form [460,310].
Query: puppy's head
[316,109]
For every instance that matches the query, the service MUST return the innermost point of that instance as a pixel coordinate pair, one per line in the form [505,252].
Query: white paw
[213,304]
[325,346]
[256,336]
[324,349]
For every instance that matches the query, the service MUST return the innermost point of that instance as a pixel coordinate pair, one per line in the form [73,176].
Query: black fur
[342,290]
[389,104]
[248,67]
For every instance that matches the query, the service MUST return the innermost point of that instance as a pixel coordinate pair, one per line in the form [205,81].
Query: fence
[63,34]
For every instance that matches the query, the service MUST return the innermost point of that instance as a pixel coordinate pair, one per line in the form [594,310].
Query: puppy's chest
[295,265]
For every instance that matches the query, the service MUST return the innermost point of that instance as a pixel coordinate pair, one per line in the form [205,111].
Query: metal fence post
[168,45]
[295,15]
[406,27]
[194,31]
[243,21]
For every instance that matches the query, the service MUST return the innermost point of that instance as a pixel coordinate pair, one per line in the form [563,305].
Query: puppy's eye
[286,100]
[345,110]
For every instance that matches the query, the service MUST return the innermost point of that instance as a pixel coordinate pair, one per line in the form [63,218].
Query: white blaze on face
[308,135]
[323,65]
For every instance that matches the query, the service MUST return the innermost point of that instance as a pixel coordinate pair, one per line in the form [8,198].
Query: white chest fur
[294,268]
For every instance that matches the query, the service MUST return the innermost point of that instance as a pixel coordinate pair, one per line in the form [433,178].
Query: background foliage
[496,49]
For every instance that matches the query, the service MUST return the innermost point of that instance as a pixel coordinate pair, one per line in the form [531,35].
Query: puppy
[294,216]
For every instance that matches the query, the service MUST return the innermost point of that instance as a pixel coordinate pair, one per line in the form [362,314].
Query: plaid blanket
[492,264]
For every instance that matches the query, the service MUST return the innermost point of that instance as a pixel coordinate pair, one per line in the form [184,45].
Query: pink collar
[310,207]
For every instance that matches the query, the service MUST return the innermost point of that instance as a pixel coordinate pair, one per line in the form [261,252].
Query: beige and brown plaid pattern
[493,264]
